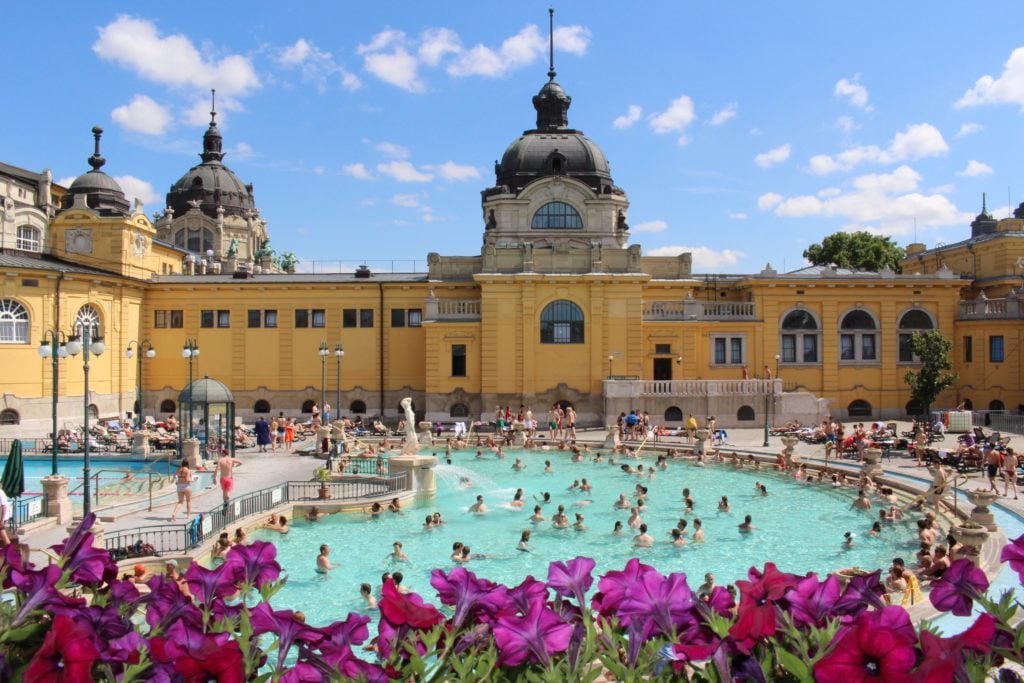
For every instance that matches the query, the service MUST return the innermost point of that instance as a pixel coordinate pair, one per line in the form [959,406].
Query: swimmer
[848,539]
[536,517]
[397,554]
[861,502]
[456,550]
[723,505]
[395,505]
[479,454]
[365,592]
[548,469]
[524,542]
[585,486]
[622,503]
[677,539]
[707,587]
[876,529]
[323,565]
[478,507]
[314,514]
[560,520]
[579,525]
[617,529]
[544,499]
[643,539]
[634,518]
[517,499]
[375,510]
[437,519]
[698,531]
[746,526]
[764,490]
[518,465]
[428,523]
[574,485]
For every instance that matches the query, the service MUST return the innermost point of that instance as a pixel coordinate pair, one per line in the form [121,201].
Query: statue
[492,223]
[411,443]
[233,248]
[288,261]
[622,226]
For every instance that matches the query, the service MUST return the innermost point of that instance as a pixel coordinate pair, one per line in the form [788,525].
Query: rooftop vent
[363,271]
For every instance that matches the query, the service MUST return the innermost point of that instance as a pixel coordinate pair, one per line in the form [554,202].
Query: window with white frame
[29,238]
[89,317]
[728,350]
[914,320]
[13,322]
[799,339]
[858,337]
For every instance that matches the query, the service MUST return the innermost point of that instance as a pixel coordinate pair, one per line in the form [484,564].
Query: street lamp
[96,347]
[190,351]
[143,347]
[52,347]
[339,353]
[610,359]
[324,352]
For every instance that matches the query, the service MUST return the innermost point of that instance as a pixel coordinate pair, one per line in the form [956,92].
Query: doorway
[663,369]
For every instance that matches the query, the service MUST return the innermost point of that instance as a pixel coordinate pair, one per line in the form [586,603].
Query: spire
[551,43]
[97,160]
[212,140]
[984,209]
[551,103]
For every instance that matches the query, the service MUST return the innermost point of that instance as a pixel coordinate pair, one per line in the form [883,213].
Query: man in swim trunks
[993,463]
[223,470]
[323,565]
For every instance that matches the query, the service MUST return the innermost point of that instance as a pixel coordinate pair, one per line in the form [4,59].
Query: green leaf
[794,665]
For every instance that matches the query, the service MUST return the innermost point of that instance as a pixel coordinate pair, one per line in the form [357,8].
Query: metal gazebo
[206,411]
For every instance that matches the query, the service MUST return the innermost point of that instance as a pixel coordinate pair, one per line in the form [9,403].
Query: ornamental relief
[78,241]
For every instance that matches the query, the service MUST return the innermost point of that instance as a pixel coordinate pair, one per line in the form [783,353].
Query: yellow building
[557,307]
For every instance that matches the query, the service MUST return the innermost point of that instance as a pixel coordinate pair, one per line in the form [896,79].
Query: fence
[998,420]
[27,509]
[28,446]
[358,465]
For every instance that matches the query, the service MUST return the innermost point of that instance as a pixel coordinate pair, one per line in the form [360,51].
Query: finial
[551,43]
[213,106]
[984,208]
[97,160]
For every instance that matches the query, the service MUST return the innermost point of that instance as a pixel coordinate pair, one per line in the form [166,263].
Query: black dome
[102,193]
[211,183]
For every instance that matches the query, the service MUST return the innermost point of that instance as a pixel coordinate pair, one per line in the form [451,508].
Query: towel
[912,595]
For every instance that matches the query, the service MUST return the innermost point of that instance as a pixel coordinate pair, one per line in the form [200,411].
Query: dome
[983,223]
[206,390]
[102,193]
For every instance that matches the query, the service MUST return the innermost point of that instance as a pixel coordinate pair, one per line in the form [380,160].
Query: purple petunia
[878,646]
[254,564]
[812,602]
[537,635]
[1013,552]
[572,579]
[469,594]
[958,587]
[667,602]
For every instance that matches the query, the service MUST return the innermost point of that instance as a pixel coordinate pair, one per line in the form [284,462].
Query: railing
[360,465]
[28,446]
[691,309]
[998,421]
[693,388]
[350,489]
[453,309]
[27,509]
[991,309]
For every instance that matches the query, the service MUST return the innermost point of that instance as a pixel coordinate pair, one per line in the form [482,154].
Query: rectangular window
[868,347]
[458,360]
[223,318]
[318,317]
[173,319]
[968,349]
[415,317]
[28,238]
[788,348]
[736,348]
[397,317]
[810,348]
[846,348]
[365,317]
[728,350]
[270,318]
[663,348]
[350,318]
[206,319]
[301,317]
[719,351]
[255,317]
[995,349]
[906,352]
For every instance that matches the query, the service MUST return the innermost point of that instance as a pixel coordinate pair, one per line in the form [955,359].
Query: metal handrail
[96,480]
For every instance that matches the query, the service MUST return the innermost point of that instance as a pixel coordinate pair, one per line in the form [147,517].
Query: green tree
[933,377]
[856,250]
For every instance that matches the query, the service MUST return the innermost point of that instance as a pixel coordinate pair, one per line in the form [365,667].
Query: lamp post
[339,353]
[52,347]
[189,352]
[610,359]
[324,352]
[143,347]
[96,347]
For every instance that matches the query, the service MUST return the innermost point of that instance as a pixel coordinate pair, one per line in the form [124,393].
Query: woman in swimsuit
[183,481]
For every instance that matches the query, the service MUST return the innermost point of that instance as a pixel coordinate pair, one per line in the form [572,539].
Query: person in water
[323,564]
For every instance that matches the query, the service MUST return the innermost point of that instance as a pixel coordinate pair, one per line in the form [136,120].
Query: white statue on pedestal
[411,443]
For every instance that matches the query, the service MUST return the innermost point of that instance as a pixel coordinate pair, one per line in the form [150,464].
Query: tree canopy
[856,250]
[933,377]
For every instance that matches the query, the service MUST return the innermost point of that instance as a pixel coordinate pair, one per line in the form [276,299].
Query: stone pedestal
[140,444]
[518,435]
[611,438]
[872,462]
[420,468]
[190,453]
[981,499]
[426,436]
[972,537]
[58,504]
[323,439]
[702,445]
[788,442]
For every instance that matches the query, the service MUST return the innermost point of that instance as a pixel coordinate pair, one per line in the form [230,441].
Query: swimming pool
[108,469]
[799,526]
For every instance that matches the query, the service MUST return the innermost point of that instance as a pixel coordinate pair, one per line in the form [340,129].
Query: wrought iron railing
[27,509]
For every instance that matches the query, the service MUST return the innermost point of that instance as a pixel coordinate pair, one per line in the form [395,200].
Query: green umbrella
[13,480]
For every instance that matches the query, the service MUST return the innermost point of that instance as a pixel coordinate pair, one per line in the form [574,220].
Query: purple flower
[400,615]
[253,564]
[878,646]
[614,586]
[720,601]
[1013,552]
[862,592]
[68,653]
[526,593]
[285,626]
[166,605]
[208,585]
[86,563]
[573,579]
[812,602]
[538,635]
[40,590]
[340,634]
[958,587]
[666,601]
[758,604]
[198,656]
[469,594]
[943,658]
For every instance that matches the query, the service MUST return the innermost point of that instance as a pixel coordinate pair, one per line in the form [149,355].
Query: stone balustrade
[691,309]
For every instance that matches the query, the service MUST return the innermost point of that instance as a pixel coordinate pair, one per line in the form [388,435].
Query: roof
[20,173]
[206,390]
[9,260]
[290,278]
[1005,234]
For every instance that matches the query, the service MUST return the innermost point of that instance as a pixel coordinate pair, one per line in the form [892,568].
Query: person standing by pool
[262,434]
[1009,473]
[289,434]
[224,469]
[323,564]
[183,484]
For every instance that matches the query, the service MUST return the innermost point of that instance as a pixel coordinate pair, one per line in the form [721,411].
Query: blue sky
[740,131]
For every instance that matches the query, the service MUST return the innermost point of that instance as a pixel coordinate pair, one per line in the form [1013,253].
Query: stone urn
[426,437]
[788,443]
[518,435]
[872,462]
[972,535]
[981,499]
[55,488]
[846,574]
[611,438]
[701,447]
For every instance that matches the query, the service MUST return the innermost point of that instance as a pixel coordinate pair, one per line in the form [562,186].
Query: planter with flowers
[981,499]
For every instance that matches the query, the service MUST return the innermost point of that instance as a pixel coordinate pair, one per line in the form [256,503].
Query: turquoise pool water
[109,469]
[799,526]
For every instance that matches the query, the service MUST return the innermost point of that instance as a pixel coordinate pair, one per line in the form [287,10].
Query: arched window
[89,317]
[561,322]
[9,417]
[914,408]
[94,411]
[674,414]
[996,405]
[858,339]
[29,238]
[557,216]
[799,340]
[196,240]
[168,406]
[914,320]
[459,410]
[307,406]
[745,414]
[357,408]
[859,408]
[261,406]
[13,322]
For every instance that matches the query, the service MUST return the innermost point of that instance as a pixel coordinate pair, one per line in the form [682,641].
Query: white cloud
[856,93]
[631,116]
[948,188]
[518,51]
[773,157]
[392,150]
[198,113]
[172,60]
[736,215]
[887,203]
[382,41]
[143,115]
[242,151]
[295,54]
[136,188]
[316,66]
[435,43]
[919,140]
[407,200]
[675,118]
[846,124]
[969,129]
[428,216]
[1007,89]
[703,257]
[975,169]
[450,170]
[722,115]
[650,226]
[399,68]
[404,172]
[357,171]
